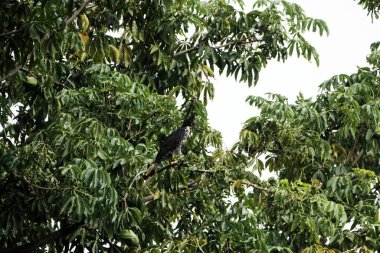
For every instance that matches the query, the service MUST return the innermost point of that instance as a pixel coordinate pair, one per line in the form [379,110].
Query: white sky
[351,33]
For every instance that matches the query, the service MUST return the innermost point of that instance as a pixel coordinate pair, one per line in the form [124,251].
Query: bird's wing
[170,144]
[161,138]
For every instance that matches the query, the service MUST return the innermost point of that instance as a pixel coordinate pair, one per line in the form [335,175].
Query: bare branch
[148,199]
[11,73]
[173,164]
[37,186]
[358,157]
[205,171]
[11,32]
[76,13]
[256,186]
[186,51]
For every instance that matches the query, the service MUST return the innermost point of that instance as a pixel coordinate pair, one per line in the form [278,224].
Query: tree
[83,111]
[326,154]
[372,6]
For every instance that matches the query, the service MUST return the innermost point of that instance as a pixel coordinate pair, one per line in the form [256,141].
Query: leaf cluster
[327,148]
[88,90]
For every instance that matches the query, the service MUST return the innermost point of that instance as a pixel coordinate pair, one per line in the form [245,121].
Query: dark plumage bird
[172,144]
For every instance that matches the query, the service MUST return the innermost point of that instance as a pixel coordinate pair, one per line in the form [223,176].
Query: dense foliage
[372,6]
[326,153]
[88,90]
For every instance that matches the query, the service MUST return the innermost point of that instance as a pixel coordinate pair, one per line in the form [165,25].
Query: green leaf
[136,214]
[102,155]
[31,80]
[154,48]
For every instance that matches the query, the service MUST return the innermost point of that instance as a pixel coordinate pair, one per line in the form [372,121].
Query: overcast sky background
[351,33]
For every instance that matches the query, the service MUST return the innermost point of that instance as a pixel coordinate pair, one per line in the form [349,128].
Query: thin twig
[234,42]
[11,32]
[351,152]
[206,171]
[148,199]
[76,13]
[186,51]
[152,173]
[256,186]
[135,178]
[91,6]
[357,158]
[37,186]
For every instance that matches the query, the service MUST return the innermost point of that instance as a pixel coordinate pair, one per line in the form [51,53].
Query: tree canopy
[89,88]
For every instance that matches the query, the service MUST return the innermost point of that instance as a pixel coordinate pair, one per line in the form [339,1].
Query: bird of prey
[172,144]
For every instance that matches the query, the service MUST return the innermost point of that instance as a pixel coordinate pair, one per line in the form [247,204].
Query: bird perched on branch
[172,144]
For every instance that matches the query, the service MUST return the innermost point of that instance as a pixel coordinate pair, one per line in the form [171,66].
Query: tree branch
[37,186]
[190,184]
[186,51]
[76,13]
[205,171]
[234,42]
[255,186]
[12,32]
[353,151]
[244,181]
[60,233]
[44,39]
[152,173]
[357,158]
